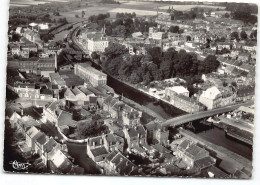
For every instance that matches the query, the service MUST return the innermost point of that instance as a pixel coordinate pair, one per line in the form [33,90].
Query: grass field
[188,7]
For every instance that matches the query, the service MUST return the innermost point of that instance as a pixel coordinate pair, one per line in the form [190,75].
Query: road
[202,114]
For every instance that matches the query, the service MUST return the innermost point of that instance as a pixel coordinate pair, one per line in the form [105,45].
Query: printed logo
[19,166]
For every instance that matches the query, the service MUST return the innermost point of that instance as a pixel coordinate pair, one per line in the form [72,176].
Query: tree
[16,37]
[234,84]
[227,15]
[243,35]
[253,34]
[114,50]
[135,78]
[174,29]
[82,14]
[188,38]
[209,64]
[234,35]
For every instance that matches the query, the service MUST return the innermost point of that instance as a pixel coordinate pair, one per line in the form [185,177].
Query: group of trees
[243,35]
[91,129]
[123,26]
[244,12]
[174,29]
[157,65]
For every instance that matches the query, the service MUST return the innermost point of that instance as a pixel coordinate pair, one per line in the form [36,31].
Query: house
[157,133]
[224,45]
[190,153]
[59,162]
[117,164]
[161,149]
[211,98]
[131,116]
[39,144]
[96,149]
[245,93]
[110,142]
[46,94]
[52,112]
[31,135]
[27,90]
[135,136]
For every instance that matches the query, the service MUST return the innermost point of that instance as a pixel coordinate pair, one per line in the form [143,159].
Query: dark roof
[184,145]
[42,139]
[205,162]
[110,139]
[161,148]
[92,99]
[99,151]
[241,175]
[49,145]
[132,132]
[194,151]
[110,156]
[245,91]
[45,91]
[141,131]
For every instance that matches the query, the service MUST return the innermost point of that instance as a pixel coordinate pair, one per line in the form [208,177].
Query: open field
[188,7]
[137,11]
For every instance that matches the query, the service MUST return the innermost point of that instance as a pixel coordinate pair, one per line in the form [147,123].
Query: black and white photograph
[144,88]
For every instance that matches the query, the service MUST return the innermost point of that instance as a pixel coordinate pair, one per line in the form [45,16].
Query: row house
[224,45]
[27,90]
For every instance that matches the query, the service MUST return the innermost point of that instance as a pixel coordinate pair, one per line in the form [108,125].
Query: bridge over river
[177,121]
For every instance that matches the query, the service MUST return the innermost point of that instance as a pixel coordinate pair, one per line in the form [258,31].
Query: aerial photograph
[144,88]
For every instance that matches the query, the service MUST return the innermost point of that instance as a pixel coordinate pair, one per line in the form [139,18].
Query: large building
[211,98]
[90,74]
[97,43]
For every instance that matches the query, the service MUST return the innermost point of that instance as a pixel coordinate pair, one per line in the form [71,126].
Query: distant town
[131,88]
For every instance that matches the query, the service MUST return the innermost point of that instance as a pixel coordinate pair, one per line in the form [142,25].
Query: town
[135,88]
